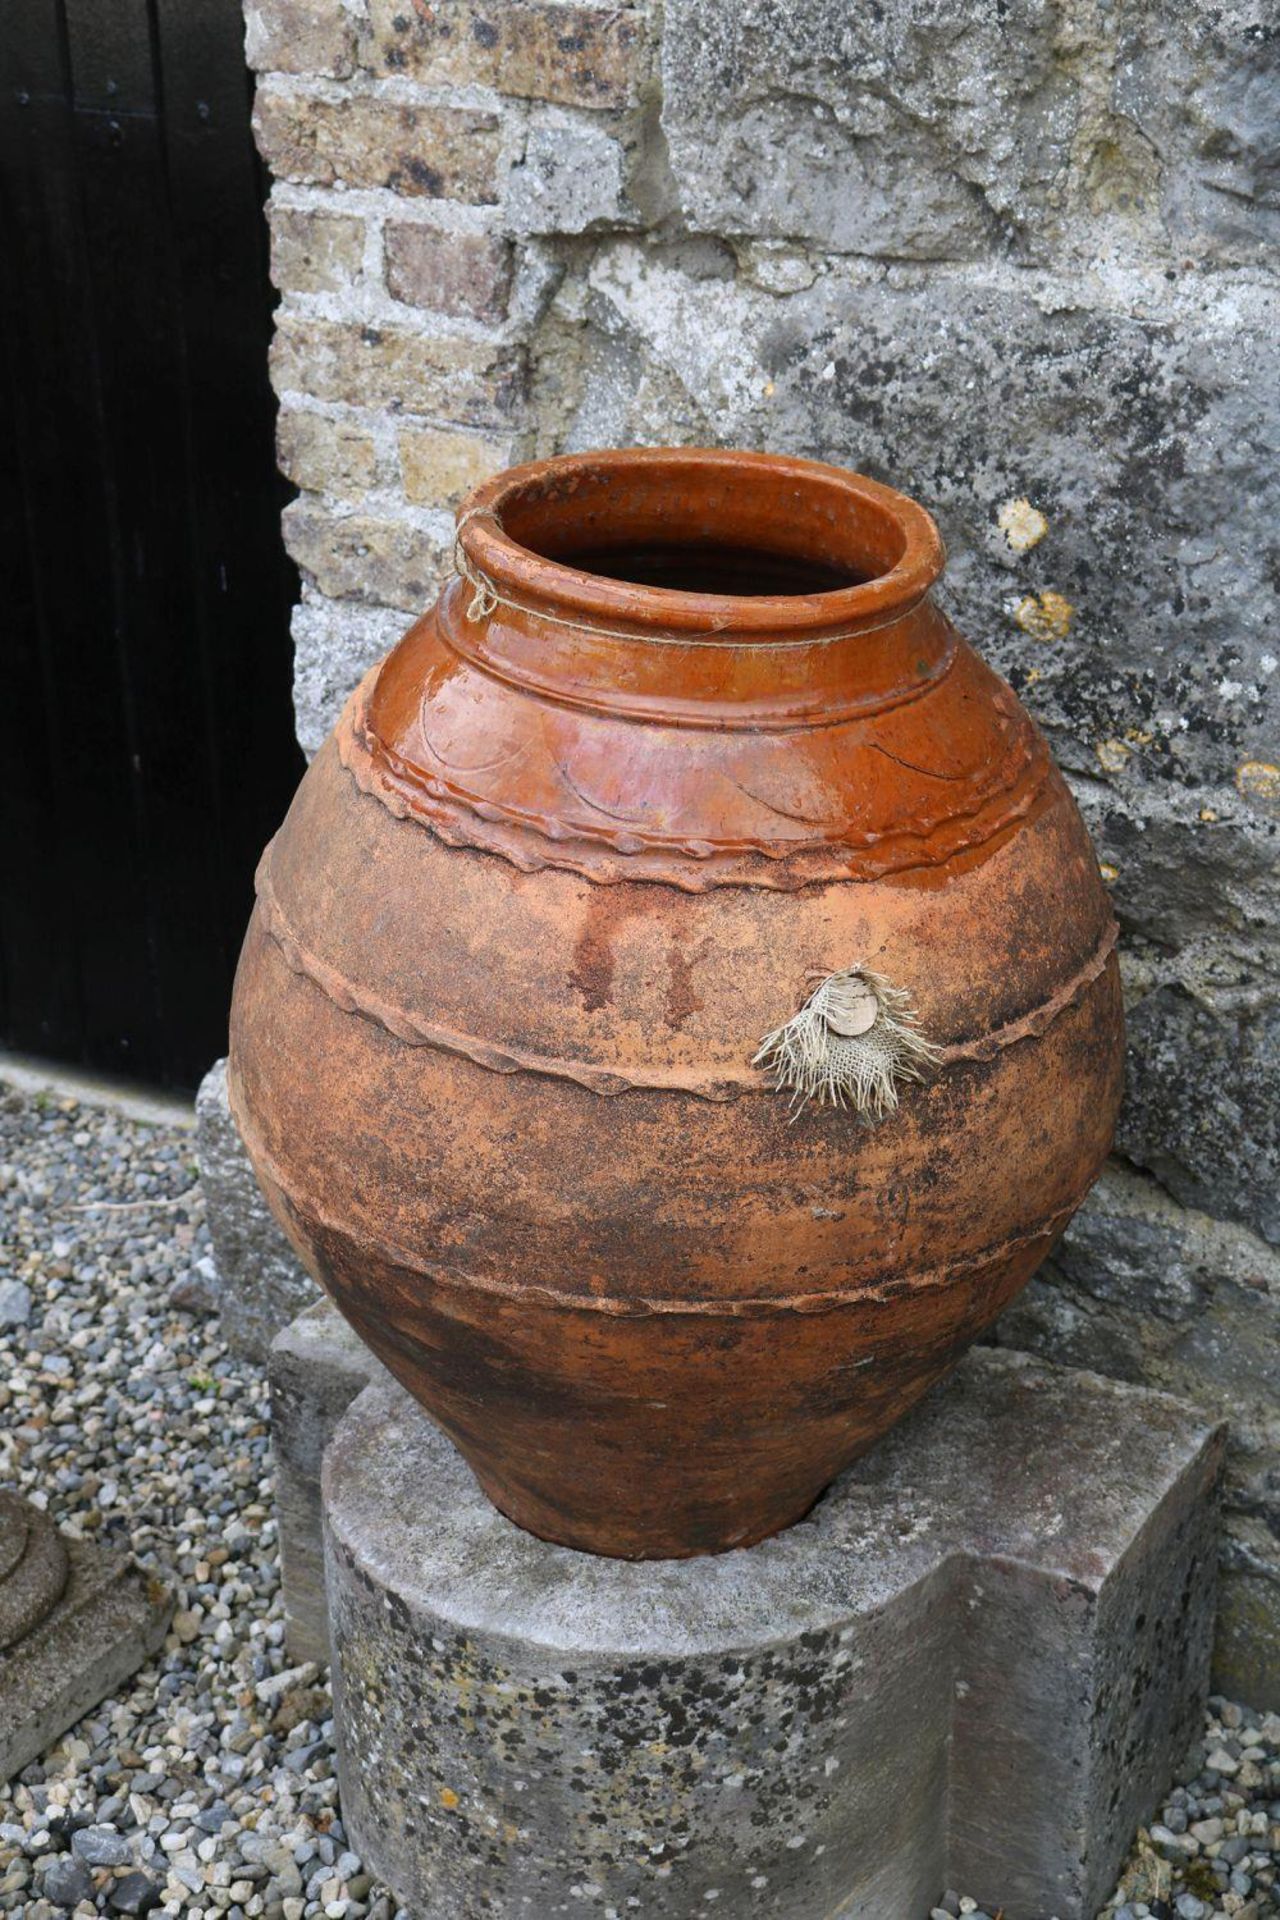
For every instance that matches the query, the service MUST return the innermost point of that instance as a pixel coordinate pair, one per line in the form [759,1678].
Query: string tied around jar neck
[486,599]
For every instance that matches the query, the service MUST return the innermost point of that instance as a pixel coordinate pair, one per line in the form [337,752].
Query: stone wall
[1016,257]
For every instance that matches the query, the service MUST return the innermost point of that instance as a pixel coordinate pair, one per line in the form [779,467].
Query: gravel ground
[1215,1847]
[208,1787]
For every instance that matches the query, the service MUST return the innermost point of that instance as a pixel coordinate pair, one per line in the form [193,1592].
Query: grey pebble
[66,1882]
[134,1893]
[198,1290]
[15,1304]
[101,1847]
[214,1818]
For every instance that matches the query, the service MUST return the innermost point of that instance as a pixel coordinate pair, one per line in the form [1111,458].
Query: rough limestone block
[1138,419]
[1191,869]
[977,1663]
[110,1619]
[1199,84]
[570,177]
[924,132]
[804,121]
[335,642]
[318,1365]
[263,1283]
[1178,1122]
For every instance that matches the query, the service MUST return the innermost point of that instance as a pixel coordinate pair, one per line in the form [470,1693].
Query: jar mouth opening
[700,540]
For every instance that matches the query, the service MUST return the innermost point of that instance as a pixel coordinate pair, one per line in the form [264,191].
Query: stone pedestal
[262,1282]
[317,1367]
[976,1664]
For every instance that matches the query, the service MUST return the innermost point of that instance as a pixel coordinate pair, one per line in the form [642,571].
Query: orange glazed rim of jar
[861,553]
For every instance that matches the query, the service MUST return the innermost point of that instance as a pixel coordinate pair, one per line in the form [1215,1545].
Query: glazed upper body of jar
[691,736]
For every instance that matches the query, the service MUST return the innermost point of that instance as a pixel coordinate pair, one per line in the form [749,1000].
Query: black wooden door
[147,745]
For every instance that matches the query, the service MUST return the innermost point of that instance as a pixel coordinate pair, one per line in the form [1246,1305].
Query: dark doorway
[148,746]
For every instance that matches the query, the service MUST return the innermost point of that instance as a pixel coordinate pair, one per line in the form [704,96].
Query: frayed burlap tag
[853,1040]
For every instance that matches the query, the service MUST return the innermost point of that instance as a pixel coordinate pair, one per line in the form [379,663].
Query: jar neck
[598,580]
[710,681]
[786,739]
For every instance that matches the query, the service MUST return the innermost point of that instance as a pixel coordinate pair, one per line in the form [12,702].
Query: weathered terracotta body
[516,944]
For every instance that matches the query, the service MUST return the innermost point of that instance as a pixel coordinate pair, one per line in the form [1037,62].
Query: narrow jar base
[619,1537]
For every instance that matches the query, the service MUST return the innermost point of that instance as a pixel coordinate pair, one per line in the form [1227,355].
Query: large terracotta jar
[686,761]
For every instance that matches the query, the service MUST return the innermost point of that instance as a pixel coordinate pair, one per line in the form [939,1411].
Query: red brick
[455,273]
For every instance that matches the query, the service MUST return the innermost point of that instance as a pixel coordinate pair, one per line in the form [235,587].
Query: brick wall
[417,153]
[1018,258]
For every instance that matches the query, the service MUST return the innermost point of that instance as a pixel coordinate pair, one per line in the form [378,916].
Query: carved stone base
[33,1568]
[75,1622]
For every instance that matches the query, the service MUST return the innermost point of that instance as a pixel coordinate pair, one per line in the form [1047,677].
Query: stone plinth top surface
[1009,1460]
